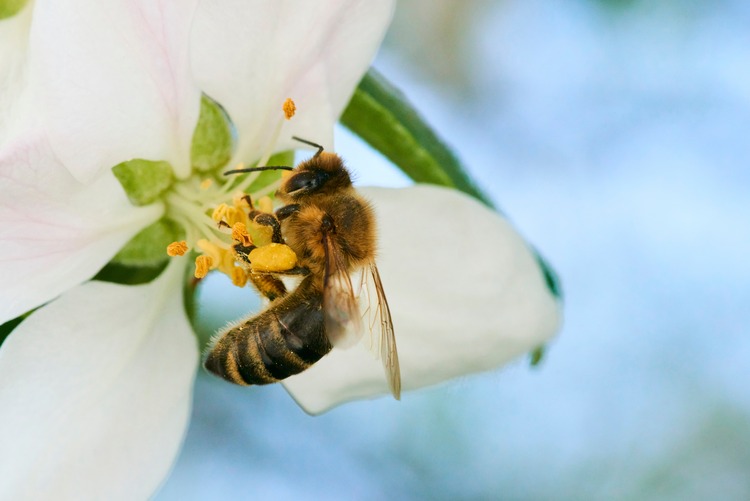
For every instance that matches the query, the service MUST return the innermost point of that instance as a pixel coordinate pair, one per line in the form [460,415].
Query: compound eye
[306,180]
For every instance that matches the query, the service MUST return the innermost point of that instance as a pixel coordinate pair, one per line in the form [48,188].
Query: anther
[289,108]
[239,276]
[206,183]
[202,265]
[177,248]
[239,234]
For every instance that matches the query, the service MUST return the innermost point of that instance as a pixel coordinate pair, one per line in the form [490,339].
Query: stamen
[177,248]
[265,204]
[239,276]
[206,183]
[239,233]
[289,108]
[202,265]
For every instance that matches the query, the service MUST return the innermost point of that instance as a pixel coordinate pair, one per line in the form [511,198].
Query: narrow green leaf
[213,139]
[382,116]
[10,8]
[143,180]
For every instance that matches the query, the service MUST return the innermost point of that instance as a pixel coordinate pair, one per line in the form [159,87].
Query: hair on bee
[332,230]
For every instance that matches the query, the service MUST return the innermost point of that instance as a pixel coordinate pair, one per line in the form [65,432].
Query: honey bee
[332,230]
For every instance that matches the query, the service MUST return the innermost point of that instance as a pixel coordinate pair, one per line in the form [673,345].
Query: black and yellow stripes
[282,341]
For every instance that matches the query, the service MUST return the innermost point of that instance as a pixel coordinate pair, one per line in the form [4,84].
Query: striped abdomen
[283,340]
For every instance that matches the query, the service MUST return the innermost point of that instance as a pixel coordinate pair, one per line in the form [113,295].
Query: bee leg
[286,211]
[268,285]
[265,219]
[297,270]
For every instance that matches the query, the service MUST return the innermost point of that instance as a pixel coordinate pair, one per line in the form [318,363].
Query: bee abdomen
[282,341]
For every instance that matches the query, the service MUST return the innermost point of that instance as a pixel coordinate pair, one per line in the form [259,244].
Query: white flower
[95,384]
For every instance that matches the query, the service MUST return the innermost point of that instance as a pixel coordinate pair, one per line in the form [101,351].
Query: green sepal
[382,116]
[144,180]
[9,8]
[129,275]
[149,247]
[214,137]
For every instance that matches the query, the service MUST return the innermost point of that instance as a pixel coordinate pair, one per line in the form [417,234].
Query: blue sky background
[615,136]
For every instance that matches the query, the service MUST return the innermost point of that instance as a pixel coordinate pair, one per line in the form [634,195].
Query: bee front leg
[286,211]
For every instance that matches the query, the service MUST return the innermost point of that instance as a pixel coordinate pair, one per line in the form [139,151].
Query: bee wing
[383,341]
[343,321]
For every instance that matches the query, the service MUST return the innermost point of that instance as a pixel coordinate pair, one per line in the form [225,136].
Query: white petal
[55,232]
[313,52]
[112,81]
[95,392]
[466,295]
[14,37]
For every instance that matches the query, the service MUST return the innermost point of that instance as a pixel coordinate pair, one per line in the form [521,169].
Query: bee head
[322,174]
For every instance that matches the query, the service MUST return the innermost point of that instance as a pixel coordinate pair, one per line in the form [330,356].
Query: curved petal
[465,292]
[14,38]
[55,232]
[95,392]
[112,82]
[313,52]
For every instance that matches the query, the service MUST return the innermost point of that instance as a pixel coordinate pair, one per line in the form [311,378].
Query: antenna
[309,143]
[258,169]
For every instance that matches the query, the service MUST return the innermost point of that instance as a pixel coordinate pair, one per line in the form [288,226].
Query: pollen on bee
[202,265]
[273,258]
[240,234]
[177,248]
[289,108]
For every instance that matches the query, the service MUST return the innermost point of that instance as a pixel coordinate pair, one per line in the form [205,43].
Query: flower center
[216,216]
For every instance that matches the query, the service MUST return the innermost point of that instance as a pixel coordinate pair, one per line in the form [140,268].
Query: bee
[332,230]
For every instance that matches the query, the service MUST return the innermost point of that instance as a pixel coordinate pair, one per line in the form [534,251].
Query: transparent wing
[378,314]
[340,305]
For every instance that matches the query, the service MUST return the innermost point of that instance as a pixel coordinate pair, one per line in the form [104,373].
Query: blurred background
[615,136]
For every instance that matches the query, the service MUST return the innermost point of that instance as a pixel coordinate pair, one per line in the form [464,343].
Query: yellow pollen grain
[289,108]
[206,183]
[177,248]
[239,234]
[202,265]
[265,204]
[273,258]
[239,276]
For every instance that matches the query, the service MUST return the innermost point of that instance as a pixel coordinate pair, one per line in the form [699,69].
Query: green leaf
[382,116]
[213,139]
[10,8]
[149,246]
[143,180]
